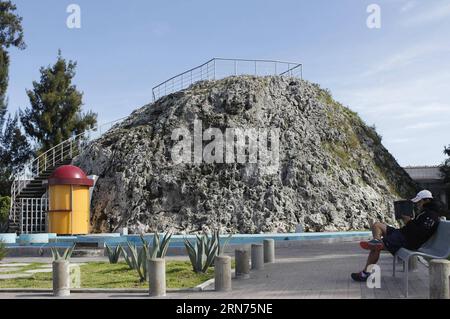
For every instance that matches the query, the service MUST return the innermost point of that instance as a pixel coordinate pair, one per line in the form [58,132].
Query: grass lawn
[179,274]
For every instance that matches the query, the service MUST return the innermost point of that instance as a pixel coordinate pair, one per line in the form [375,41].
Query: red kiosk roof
[69,175]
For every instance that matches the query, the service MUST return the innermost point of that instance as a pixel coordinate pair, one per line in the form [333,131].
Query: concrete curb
[210,282]
[201,287]
[96,290]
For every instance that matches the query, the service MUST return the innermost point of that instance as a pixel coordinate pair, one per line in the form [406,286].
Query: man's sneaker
[374,244]
[360,276]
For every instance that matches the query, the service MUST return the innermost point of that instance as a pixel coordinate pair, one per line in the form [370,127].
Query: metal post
[235,67]
[26,220]
[20,218]
[255,69]
[32,220]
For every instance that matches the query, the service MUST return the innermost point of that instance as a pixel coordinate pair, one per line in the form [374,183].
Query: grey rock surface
[333,172]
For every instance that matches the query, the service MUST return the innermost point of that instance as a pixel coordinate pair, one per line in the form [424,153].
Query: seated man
[412,236]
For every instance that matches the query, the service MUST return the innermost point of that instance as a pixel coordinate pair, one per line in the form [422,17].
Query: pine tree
[4,65]
[55,112]
[11,34]
[14,153]
[14,148]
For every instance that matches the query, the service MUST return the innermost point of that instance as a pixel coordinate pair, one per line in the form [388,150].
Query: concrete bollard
[157,277]
[222,273]
[257,256]
[269,250]
[439,279]
[61,278]
[242,264]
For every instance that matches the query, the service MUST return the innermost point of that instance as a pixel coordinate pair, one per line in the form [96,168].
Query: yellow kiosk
[69,202]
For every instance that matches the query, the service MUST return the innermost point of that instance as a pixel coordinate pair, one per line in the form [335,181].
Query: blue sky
[396,77]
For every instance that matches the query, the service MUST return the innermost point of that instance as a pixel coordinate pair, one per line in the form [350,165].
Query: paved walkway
[310,270]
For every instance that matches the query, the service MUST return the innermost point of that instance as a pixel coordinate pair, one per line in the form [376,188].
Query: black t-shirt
[418,230]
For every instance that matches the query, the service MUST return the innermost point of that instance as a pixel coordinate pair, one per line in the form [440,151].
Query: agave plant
[137,259]
[159,247]
[65,256]
[204,250]
[113,253]
[131,256]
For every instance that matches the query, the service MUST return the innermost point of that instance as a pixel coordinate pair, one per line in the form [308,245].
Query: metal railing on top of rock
[67,149]
[218,68]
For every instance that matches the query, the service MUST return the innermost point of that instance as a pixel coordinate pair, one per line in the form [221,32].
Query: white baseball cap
[425,194]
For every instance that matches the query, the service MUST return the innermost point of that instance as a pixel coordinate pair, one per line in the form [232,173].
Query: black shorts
[394,240]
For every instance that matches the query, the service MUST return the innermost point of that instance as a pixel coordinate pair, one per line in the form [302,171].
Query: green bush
[2,250]
[5,203]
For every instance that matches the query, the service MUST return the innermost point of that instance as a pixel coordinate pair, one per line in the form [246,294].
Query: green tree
[14,148]
[55,112]
[11,34]
[15,151]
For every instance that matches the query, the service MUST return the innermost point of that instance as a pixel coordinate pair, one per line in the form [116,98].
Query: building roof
[424,172]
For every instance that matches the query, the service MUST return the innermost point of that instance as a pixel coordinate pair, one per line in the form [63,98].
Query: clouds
[417,15]
[406,94]
[408,6]
[405,58]
[426,125]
